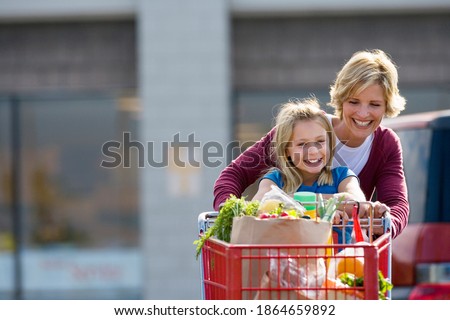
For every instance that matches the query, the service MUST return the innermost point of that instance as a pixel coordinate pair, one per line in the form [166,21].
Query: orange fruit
[352,265]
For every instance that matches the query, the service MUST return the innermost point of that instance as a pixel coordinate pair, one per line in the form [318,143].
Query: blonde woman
[365,91]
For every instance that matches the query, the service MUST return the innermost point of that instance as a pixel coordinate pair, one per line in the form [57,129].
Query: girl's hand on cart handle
[340,217]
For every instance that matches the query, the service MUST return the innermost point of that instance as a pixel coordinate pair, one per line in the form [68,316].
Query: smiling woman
[361,115]
[365,91]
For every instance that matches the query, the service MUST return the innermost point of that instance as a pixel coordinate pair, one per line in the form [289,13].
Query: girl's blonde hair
[366,68]
[291,113]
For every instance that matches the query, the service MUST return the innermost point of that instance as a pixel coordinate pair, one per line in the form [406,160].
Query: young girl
[304,149]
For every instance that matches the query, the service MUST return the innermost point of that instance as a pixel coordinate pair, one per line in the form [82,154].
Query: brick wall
[288,53]
[67,56]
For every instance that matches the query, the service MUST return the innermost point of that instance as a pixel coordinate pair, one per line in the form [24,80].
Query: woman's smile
[362,123]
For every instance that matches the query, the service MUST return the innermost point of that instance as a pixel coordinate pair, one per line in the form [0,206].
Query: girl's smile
[308,149]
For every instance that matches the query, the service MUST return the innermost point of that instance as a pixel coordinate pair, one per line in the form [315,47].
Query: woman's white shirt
[353,158]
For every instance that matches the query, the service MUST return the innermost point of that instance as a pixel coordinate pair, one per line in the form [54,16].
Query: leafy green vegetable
[351,280]
[233,207]
[251,208]
[383,284]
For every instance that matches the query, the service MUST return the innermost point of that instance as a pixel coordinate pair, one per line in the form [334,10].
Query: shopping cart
[231,271]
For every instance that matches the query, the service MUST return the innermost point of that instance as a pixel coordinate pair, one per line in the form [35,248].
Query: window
[79,221]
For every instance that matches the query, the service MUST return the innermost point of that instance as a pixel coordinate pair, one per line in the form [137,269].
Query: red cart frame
[238,272]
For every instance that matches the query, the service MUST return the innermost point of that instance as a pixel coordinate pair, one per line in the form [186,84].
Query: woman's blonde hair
[290,113]
[366,68]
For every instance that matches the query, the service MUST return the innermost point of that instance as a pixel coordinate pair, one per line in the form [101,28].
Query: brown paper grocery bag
[250,230]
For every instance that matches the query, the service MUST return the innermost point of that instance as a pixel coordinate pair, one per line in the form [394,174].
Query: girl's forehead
[309,123]
[307,129]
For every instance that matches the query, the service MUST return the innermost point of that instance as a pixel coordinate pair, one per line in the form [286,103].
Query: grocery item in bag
[256,272]
[286,280]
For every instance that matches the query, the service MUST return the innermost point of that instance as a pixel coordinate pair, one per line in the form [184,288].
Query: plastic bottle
[307,199]
[311,210]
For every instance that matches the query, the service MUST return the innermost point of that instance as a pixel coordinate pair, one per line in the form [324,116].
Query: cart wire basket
[295,271]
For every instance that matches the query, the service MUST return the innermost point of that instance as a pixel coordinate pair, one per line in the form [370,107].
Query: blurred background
[75,75]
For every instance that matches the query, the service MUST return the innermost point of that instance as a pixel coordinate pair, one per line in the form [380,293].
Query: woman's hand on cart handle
[381,210]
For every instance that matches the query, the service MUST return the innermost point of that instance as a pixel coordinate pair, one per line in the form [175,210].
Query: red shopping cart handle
[357,226]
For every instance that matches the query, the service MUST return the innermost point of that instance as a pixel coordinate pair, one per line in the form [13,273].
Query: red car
[421,253]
